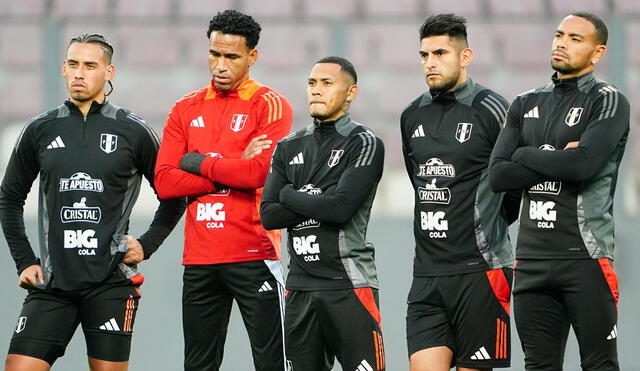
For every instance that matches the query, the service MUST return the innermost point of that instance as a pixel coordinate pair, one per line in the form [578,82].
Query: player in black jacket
[320,187]
[458,306]
[562,145]
[91,157]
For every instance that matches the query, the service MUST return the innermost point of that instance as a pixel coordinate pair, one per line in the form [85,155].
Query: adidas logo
[265,287]
[418,133]
[481,354]
[364,366]
[57,143]
[110,325]
[533,114]
[614,333]
[297,160]
[197,123]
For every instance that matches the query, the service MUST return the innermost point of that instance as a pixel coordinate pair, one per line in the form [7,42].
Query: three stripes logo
[502,339]
[265,287]
[275,106]
[197,122]
[532,114]
[381,364]
[110,325]
[609,102]
[419,133]
[481,354]
[614,333]
[57,143]
[297,160]
[364,366]
[369,146]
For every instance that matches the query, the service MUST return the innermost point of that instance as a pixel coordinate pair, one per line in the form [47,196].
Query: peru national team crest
[463,133]
[573,116]
[335,157]
[108,142]
[22,323]
[238,121]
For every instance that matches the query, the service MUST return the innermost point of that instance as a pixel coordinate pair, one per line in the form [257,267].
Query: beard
[564,67]
[445,85]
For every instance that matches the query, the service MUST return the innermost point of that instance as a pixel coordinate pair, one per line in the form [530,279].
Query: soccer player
[458,305]
[321,186]
[562,145]
[216,150]
[91,157]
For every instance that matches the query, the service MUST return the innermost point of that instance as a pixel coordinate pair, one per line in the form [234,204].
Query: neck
[575,74]
[84,106]
[461,80]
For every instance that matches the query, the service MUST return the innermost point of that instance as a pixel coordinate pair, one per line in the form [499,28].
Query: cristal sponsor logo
[431,194]
[309,223]
[306,246]
[543,212]
[435,167]
[547,187]
[84,241]
[80,212]
[435,223]
[81,182]
[211,213]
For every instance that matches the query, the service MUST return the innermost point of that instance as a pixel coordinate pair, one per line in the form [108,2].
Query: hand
[134,254]
[572,145]
[256,146]
[28,277]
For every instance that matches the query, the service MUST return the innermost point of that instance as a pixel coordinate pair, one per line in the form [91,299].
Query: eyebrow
[225,54]
[573,34]
[71,60]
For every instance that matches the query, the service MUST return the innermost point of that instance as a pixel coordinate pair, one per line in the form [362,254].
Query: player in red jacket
[216,150]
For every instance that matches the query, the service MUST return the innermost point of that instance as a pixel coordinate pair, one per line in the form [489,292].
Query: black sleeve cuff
[191,162]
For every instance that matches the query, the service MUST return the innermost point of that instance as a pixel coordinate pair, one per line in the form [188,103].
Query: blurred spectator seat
[203,8]
[143,8]
[148,46]
[22,7]
[461,7]
[261,8]
[197,45]
[384,8]
[633,40]
[21,46]
[22,95]
[392,45]
[626,6]
[526,45]
[524,8]
[77,8]
[329,8]
[293,45]
[567,6]
[482,41]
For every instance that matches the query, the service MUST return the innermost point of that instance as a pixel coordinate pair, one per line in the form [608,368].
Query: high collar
[337,124]
[245,90]
[460,93]
[95,107]
[572,83]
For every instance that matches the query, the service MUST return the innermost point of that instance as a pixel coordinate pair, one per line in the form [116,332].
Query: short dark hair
[346,66]
[94,39]
[235,23]
[601,29]
[447,24]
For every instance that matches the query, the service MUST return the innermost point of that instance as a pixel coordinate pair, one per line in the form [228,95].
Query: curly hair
[235,23]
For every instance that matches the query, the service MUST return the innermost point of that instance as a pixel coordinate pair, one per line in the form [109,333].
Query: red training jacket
[223,222]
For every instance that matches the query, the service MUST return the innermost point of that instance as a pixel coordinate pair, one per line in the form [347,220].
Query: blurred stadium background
[161,54]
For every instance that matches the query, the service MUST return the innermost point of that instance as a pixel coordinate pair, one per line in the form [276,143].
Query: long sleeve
[21,171]
[364,170]
[608,124]
[170,180]
[169,211]
[504,174]
[252,172]
[273,214]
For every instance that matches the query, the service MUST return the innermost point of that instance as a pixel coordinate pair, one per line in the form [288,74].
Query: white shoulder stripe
[150,131]
[498,118]
[369,145]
